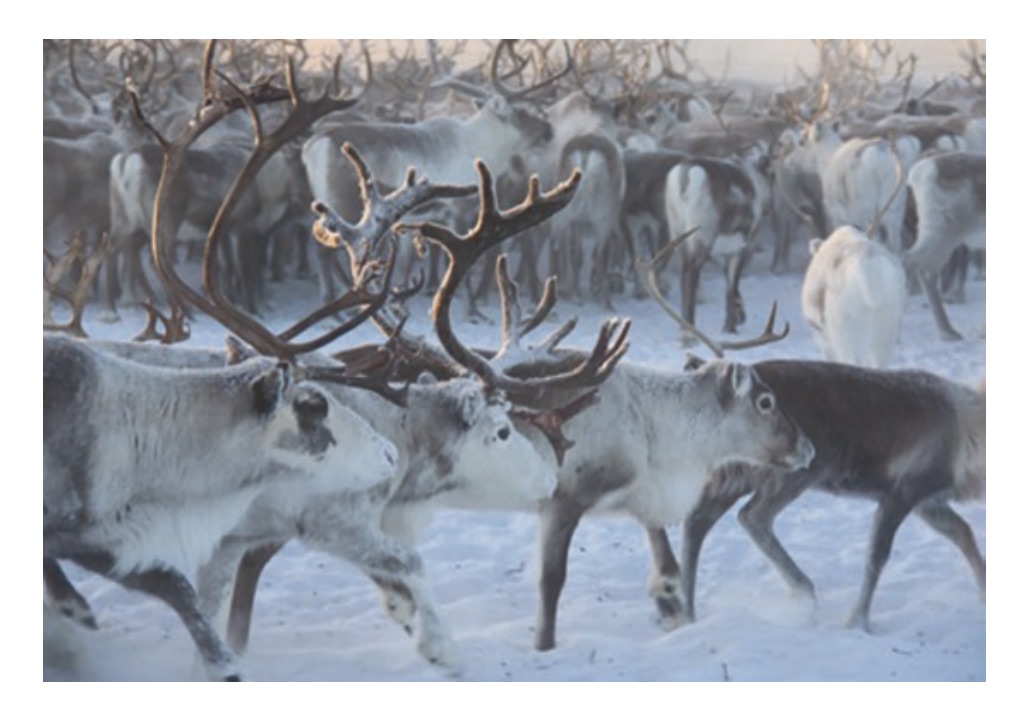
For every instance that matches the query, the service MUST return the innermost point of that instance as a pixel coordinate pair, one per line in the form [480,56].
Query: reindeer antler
[215,106]
[648,274]
[493,227]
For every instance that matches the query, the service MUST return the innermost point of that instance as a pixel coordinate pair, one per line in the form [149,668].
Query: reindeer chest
[646,469]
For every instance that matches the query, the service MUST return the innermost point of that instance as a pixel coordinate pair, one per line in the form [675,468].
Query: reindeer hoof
[544,644]
[401,610]
[858,621]
[441,652]
[673,621]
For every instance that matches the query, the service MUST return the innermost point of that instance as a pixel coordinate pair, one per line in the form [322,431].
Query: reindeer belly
[657,496]
[665,497]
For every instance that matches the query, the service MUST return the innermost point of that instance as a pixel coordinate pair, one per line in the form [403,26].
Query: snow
[319,619]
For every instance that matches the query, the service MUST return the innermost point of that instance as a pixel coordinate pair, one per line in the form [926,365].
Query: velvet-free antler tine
[545,305]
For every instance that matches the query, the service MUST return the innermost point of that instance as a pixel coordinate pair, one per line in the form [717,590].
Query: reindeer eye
[504,433]
[766,402]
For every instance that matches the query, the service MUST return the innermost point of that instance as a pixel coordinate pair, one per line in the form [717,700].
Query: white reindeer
[145,469]
[861,181]
[854,297]
[441,148]
[458,445]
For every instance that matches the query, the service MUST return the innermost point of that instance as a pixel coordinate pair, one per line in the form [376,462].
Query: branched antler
[175,325]
[648,273]
[493,227]
[216,105]
[87,264]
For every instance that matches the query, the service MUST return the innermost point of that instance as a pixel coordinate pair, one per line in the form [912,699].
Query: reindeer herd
[181,472]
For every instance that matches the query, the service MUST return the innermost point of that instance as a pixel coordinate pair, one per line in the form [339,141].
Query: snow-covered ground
[319,619]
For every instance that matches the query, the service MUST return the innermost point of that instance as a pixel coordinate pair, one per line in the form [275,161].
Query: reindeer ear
[426,377]
[693,362]
[738,379]
[470,403]
[272,388]
[498,104]
[237,351]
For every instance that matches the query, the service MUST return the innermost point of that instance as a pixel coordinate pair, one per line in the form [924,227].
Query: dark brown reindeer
[910,440]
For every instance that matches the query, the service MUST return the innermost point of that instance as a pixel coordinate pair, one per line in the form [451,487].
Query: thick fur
[586,234]
[206,175]
[649,446]
[717,198]
[457,447]
[910,440]
[950,193]
[443,149]
[859,179]
[854,296]
[147,468]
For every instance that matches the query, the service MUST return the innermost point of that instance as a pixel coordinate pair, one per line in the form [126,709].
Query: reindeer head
[751,422]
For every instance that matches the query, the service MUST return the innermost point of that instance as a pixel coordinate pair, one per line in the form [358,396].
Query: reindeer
[652,465]
[457,444]
[862,182]
[136,457]
[584,242]
[910,440]
[443,148]
[718,198]
[134,178]
[854,297]
[950,194]
[133,181]
[458,447]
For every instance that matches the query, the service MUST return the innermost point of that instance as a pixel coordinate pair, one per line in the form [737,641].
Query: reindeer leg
[215,580]
[173,588]
[942,518]
[63,597]
[735,314]
[695,529]
[559,519]
[111,283]
[953,275]
[393,566]
[242,606]
[757,516]
[398,602]
[527,270]
[328,269]
[891,511]
[690,276]
[665,580]
[930,287]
